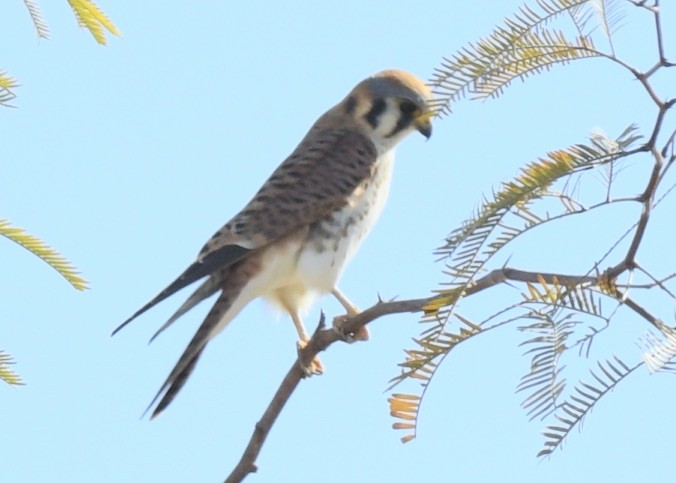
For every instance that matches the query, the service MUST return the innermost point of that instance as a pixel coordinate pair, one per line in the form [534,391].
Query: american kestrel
[293,239]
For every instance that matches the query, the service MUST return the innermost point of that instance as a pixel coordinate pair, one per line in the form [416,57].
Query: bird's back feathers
[258,251]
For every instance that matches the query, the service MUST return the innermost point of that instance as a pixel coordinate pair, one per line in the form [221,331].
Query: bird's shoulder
[329,163]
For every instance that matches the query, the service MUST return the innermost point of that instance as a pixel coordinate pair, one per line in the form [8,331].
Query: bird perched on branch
[294,238]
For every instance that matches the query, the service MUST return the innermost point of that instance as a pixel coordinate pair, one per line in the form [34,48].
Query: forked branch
[524,46]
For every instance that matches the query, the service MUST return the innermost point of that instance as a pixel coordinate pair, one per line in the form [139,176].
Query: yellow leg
[350,308]
[300,327]
[316,366]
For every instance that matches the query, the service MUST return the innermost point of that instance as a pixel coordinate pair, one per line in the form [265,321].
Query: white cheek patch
[388,119]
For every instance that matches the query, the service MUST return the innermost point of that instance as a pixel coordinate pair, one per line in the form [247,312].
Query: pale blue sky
[127,158]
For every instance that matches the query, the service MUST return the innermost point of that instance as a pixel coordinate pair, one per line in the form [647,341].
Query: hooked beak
[424,124]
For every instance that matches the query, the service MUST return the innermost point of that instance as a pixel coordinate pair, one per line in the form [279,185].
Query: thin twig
[641,311]
[655,282]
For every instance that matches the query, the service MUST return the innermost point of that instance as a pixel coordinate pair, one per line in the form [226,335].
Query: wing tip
[157,411]
[221,258]
[136,314]
[121,326]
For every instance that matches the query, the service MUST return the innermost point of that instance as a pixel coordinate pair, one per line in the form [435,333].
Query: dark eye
[407,108]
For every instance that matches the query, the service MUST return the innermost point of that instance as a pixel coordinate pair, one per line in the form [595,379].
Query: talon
[314,367]
[338,323]
[362,334]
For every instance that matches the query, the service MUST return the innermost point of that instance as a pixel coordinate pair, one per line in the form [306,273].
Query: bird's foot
[361,334]
[314,367]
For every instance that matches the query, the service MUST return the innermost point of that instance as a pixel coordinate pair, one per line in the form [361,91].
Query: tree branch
[323,338]
[647,199]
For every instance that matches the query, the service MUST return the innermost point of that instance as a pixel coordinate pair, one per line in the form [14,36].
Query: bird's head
[389,105]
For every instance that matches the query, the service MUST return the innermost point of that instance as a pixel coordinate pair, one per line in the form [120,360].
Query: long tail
[232,299]
[175,386]
[221,258]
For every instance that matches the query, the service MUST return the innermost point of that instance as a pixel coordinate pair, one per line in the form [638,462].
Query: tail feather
[175,386]
[206,290]
[231,300]
[221,258]
[186,363]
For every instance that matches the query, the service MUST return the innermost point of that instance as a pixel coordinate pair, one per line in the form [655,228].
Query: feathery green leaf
[46,253]
[7,84]
[549,342]
[583,399]
[523,46]
[38,19]
[92,18]
[659,352]
[7,374]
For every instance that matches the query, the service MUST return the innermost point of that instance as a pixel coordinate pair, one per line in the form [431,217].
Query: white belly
[332,243]
[299,269]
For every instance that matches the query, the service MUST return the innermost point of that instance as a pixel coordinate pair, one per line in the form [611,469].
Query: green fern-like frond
[578,298]
[537,53]
[46,253]
[6,373]
[598,14]
[546,293]
[468,248]
[521,47]
[581,16]
[583,398]
[542,382]
[582,300]
[624,141]
[420,365]
[610,13]
[92,18]
[7,84]
[38,19]
[420,362]
[659,352]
